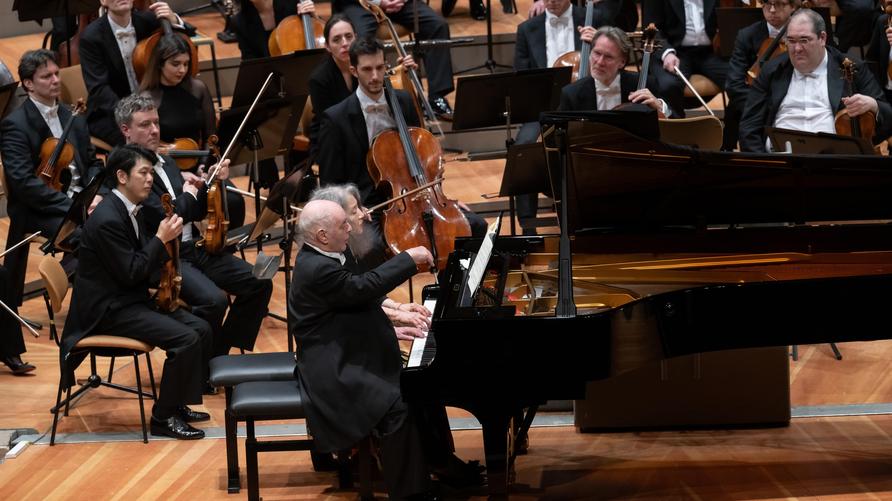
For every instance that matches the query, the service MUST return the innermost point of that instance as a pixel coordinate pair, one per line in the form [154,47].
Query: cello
[579,60]
[648,45]
[146,47]
[405,159]
[218,210]
[56,154]
[168,296]
[298,32]
[864,125]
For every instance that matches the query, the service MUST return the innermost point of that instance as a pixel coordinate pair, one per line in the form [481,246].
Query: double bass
[406,159]
[864,125]
[579,60]
[168,296]
[298,32]
[56,154]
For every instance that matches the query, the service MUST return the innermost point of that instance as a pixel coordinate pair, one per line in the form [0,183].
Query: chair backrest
[73,86]
[704,132]
[306,118]
[55,280]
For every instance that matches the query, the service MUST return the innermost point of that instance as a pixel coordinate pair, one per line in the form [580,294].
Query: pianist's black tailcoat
[349,364]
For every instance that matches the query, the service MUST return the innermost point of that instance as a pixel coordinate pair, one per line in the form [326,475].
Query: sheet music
[475,275]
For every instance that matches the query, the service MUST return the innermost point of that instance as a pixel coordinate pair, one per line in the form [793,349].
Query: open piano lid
[622,179]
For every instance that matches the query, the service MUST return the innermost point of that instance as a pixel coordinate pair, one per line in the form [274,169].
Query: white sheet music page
[475,275]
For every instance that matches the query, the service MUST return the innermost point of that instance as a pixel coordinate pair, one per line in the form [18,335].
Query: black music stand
[816,143]
[525,172]
[76,216]
[490,62]
[38,11]
[730,20]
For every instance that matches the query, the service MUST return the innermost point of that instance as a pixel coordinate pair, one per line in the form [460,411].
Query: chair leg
[151,377]
[231,423]
[55,409]
[142,408]
[836,352]
[67,401]
[111,369]
[49,311]
[251,462]
[795,352]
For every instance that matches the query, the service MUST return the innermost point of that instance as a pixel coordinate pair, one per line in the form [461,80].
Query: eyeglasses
[792,42]
[775,5]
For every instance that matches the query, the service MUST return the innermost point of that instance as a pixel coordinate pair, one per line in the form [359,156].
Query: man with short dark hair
[119,259]
[803,89]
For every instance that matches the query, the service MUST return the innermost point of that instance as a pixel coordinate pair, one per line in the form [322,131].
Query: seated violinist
[106,50]
[747,51]
[33,205]
[184,105]
[609,84]
[208,279]
[803,89]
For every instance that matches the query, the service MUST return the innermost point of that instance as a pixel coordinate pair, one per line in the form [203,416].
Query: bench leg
[233,484]
[365,469]
[251,462]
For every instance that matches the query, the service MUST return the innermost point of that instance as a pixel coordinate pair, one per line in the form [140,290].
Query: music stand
[817,143]
[490,62]
[75,217]
[525,172]
[730,20]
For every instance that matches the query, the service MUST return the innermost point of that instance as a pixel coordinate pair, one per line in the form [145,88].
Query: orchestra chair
[278,400]
[707,90]
[703,132]
[101,345]
[384,34]
[74,88]
[302,140]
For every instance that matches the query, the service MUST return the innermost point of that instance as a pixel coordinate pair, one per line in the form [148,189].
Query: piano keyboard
[423,352]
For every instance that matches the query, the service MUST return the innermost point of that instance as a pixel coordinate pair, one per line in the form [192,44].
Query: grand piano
[664,251]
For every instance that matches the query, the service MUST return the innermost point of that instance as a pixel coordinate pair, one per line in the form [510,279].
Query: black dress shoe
[441,108]
[175,427]
[209,389]
[17,366]
[190,416]
[459,475]
[478,10]
[447,6]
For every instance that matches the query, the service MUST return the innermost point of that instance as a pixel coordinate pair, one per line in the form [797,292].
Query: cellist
[207,278]
[106,50]
[348,129]
[803,88]
[747,52]
[258,18]
[34,206]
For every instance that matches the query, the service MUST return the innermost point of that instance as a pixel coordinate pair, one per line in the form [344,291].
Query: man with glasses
[746,52]
[803,89]
[609,84]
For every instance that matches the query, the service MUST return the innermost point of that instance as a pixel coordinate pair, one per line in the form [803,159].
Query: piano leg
[495,446]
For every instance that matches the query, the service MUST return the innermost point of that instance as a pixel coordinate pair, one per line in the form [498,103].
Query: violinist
[184,105]
[747,52]
[208,279]
[33,205]
[609,84]
[106,50]
[348,129]
[118,257]
[803,89]
[258,18]
[880,53]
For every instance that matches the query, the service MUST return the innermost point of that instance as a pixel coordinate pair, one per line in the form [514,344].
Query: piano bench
[230,370]
[268,401]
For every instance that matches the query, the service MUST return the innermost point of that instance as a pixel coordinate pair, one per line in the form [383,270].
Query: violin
[145,47]
[648,45]
[298,32]
[168,295]
[413,83]
[405,159]
[184,151]
[771,48]
[579,60]
[218,210]
[863,125]
[56,154]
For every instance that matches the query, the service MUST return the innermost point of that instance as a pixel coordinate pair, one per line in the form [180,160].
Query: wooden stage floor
[836,458]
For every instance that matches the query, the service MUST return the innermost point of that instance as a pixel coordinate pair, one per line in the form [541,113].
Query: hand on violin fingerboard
[860,104]
[306,7]
[170,228]
[162,10]
[586,33]
[407,62]
[889,35]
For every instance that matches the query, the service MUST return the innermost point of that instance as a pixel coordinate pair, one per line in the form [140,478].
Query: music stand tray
[817,143]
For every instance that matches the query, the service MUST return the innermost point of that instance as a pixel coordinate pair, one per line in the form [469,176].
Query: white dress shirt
[558,35]
[608,96]
[132,209]
[334,255]
[126,37]
[694,24]
[806,106]
[161,174]
[376,113]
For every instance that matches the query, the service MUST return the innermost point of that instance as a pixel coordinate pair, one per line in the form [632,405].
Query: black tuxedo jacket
[343,144]
[253,39]
[529,50]
[581,95]
[191,209]
[769,90]
[327,88]
[21,135]
[879,51]
[349,365]
[669,18]
[746,51]
[104,73]
[115,267]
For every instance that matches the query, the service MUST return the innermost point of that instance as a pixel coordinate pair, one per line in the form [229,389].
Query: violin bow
[686,82]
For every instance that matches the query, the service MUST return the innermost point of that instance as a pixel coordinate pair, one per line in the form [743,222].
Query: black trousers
[437,62]
[11,337]
[185,337]
[403,456]
[208,279]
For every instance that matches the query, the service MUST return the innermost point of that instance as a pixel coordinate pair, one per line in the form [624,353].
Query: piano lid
[621,179]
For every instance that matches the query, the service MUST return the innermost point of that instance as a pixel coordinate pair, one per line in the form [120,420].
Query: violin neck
[62,138]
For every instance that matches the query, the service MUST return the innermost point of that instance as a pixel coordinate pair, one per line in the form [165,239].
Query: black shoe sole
[164,432]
